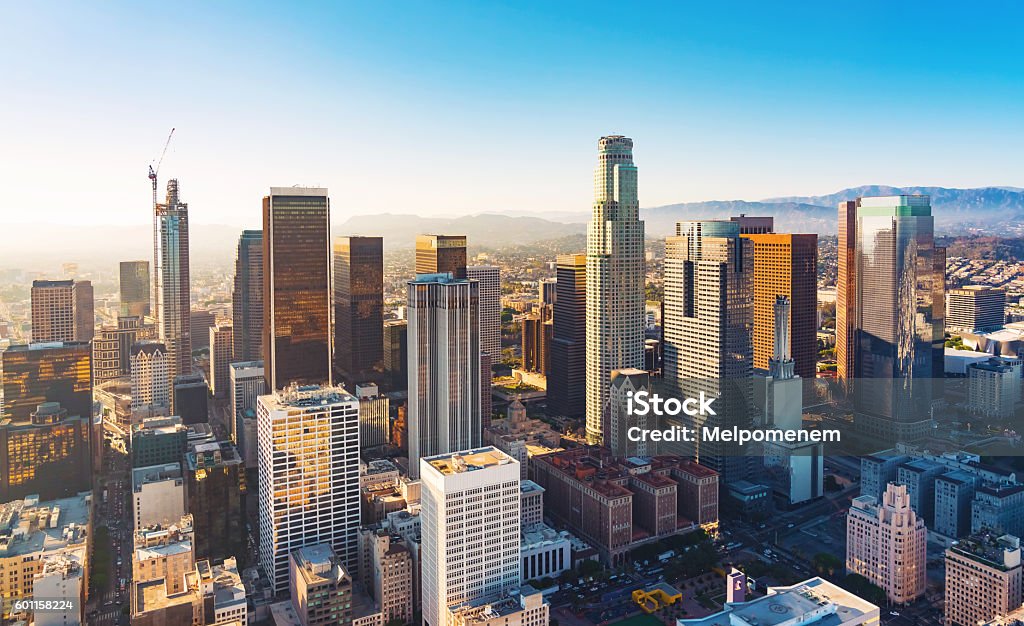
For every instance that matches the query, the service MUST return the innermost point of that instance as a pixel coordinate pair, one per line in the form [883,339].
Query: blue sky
[454,108]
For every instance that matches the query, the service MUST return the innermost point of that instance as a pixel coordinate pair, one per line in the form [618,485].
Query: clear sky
[453,108]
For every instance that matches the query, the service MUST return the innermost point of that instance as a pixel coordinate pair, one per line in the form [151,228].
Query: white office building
[150,376]
[470,523]
[308,455]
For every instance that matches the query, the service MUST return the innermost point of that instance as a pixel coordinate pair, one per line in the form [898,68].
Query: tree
[831,484]
[860,586]
[825,563]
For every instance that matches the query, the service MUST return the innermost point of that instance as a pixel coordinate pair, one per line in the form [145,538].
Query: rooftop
[469,461]
[29,526]
[1001,552]
[155,473]
[304,396]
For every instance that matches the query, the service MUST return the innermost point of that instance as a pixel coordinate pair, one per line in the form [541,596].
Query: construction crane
[154,171]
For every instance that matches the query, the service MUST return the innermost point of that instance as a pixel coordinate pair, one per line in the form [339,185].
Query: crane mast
[153,172]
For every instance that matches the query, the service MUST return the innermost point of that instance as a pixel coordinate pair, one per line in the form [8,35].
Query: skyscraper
[708,321]
[567,379]
[171,280]
[308,450]
[215,489]
[444,351]
[470,526]
[359,309]
[135,288]
[247,297]
[151,376]
[885,543]
[975,309]
[46,372]
[112,345]
[846,290]
[396,354]
[48,456]
[897,312]
[297,288]
[615,276]
[62,310]
[191,402]
[441,254]
[221,356]
[247,385]
[489,277]
[786,265]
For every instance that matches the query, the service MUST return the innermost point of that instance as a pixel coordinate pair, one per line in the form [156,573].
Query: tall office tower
[49,456]
[441,254]
[975,309]
[796,469]
[308,450]
[897,314]
[615,276]
[296,287]
[215,490]
[247,384]
[786,265]
[247,297]
[151,376]
[396,354]
[983,579]
[62,310]
[158,441]
[708,321]
[994,387]
[547,290]
[191,403]
[537,332]
[46,372]
[444,351]
[624,384]
[359,309]
[112,346]
[885,543]
[567,379]
[374,416]
[754,225]
[221,356]
[134,288]
[489,277]
[201,321]
[171,297]
[470,524]
[846,291]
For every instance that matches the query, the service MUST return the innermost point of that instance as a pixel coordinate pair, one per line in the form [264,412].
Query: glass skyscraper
[171,280]
[297,288]
[615,276]
[247,297]
[359,309]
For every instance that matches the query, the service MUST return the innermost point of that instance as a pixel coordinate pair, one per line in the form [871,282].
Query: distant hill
[798,217]
[487,230]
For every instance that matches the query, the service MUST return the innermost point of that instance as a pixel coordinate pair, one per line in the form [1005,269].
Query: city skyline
[814,129]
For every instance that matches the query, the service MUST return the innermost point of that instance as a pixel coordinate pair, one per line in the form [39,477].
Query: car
[790,525]
[894,613]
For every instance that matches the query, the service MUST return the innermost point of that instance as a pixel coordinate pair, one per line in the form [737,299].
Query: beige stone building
[983,579]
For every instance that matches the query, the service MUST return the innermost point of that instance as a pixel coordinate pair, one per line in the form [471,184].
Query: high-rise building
[308,449]
[201,321]
[191,400]
[171,297]
[215,489]
[975,309]
[444,351]
[62,310]
[49,456]
[389,579]
[537,333]
[112,345]
[396,354]
[46,372]
[158,441]
[471,530]
[994,387]
[891,334]
[296,287]
[567,378]
[359,309]
[708,321]
[151,376]
[983,579]
[754,225]
[247,297]
[247,384]
[615,276]
[221,356]
[619,420]
[134,288]
[489,277]
[374,416]
[885,543]
[786,265]
[441,254]
[158,495]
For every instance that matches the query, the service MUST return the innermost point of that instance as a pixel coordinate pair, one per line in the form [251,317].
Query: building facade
[247,297]
[975,309]
[983,579]
[441,254]
[221,357]
[135,288]
[615,277]
[567,378]
[171,280]
[46,372]
[62,310]
[358,309]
